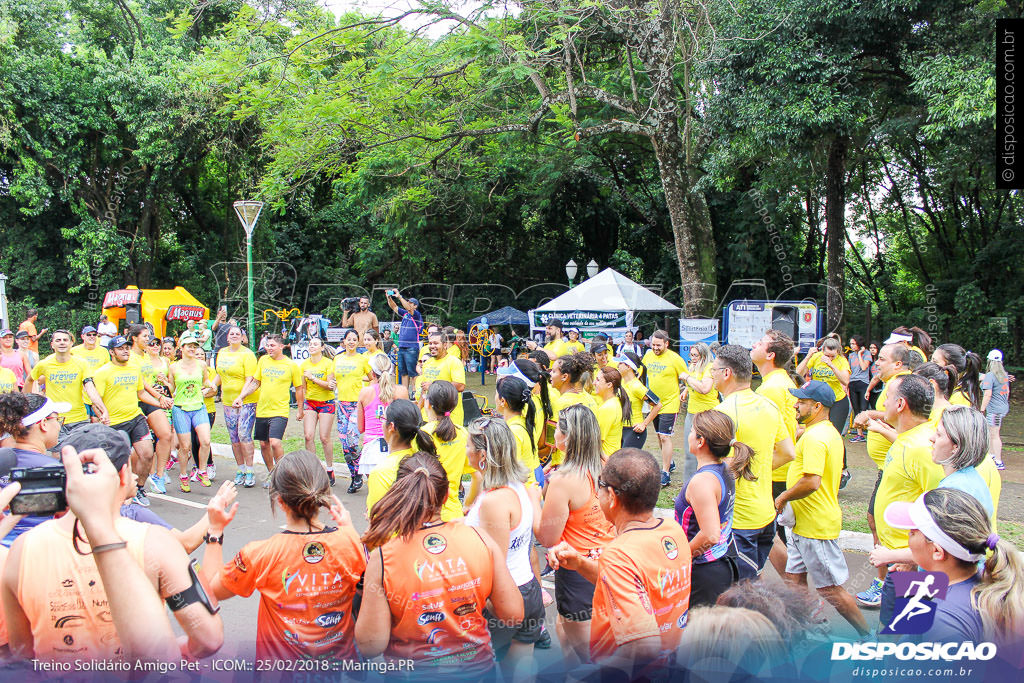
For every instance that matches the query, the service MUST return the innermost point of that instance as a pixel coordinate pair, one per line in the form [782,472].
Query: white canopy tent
[604,303]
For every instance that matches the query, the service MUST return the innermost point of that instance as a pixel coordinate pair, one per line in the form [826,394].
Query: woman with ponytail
[704,506]
[632,369]
[449,440]
[373,402]
[406,613]
[404,437]
[950,532]
[614,409]
[538,369]
[294,592]
[570,375]
[514,401]
[967,391]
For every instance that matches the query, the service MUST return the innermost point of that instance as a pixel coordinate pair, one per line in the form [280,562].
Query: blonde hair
[717,635]
[382,368]
[997,369]
[582,441]
[501,466]
[704,357]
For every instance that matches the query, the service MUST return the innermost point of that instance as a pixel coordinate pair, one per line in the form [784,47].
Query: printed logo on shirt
[69,621]
[330,619]
[442,569]
[670,547]
[464,609]
[683,618]
[434,543]
[430,618]
[313,552]
[240,563]
[916,596]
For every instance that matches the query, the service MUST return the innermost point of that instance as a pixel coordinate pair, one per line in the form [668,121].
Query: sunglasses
[605,485]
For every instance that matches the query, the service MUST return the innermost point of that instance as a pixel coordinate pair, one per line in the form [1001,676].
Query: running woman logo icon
[916,596]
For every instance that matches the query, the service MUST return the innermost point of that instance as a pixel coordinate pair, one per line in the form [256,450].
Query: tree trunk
[835,230]
[691,222]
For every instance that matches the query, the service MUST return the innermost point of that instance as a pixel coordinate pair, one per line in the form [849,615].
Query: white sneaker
[211,471]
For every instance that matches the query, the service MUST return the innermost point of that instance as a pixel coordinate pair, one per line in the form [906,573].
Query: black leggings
[195,444]
[857,397]
[839,416]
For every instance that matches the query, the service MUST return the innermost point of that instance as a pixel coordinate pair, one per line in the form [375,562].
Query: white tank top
[518,557]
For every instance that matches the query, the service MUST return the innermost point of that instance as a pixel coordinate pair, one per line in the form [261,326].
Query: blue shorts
[407,358]
[750,548]
[185,421]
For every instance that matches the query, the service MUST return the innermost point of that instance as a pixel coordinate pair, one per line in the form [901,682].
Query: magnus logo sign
[916,596]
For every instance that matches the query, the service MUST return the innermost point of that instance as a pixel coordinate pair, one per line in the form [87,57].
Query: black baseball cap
[414,301]
[96,435]
[20,334]
[117,342]
[554,322]
[88,329]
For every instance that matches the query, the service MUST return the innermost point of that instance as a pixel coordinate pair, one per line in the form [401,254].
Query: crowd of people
[469,519]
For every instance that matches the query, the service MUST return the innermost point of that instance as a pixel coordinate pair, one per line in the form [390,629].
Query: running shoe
[211,471]
[872,597]
[203,479]
[183,482]
[172,461]
[330,475]
[141,498]
[239,478]
[1000,465]
[671,468]
[544,642]
[665,479]
[250,479]
[844,479]
[547,571]
[357,483]
[157,484]
[546,597]
[194,474]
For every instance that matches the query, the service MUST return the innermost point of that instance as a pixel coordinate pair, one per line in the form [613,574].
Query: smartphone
[392,292]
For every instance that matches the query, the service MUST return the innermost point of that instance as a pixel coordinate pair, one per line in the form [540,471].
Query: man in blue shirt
[408,336]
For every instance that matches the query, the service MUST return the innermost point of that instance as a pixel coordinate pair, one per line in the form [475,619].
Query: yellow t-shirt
[561,403]
[819,451]
[760,426]
[539,421]
[698,402]
[526,452]
[775,387]
[636,391]
[232,368]
[349,372]
[609,418]
[452,455]
[424,352]
[823,373]
[877,444]
[119,387]
[96,358]
[958,398]
[383,476]
[322,371]
[559,348]
[64,382]
[275,376]
[448,368]
[663,378]
[455,352]
[908,472]
[574,347]
[8,381]
[990,473]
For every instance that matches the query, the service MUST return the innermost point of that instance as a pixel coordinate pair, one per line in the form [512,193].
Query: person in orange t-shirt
[306,575]
[642,578]
[572,515]
[427,581]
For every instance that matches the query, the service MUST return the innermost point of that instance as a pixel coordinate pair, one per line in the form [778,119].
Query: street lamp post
[3,301]
[570,271]
[592,268]
[248,213]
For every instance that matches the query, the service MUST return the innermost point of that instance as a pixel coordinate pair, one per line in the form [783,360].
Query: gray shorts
[822,561]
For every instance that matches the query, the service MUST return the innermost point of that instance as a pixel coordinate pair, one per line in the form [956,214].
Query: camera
[42,490]
[350,304]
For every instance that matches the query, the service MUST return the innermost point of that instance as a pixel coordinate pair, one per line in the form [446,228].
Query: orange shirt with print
[643,589]
[30,327]
[306,584]
[437,583]
[587,528]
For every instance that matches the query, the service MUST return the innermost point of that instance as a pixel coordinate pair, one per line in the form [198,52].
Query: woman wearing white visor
[950,533]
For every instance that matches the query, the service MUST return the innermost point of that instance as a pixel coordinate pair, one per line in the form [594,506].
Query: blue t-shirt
[409,332]
[687,519]
[26,459]
[144,515]
[955,619]
[969,481]
[856,374]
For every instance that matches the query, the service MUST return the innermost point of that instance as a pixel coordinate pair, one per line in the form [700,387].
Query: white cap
[904,515]
[44,412]
[996,355]
[512,370]
[896,338]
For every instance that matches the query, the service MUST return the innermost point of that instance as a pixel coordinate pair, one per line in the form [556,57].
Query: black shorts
[874,491]
[528,631]
[631,439]
[147,409]
[777,488]
[136,428]
[665,423]
[574,595]
[711,579]
[268,428]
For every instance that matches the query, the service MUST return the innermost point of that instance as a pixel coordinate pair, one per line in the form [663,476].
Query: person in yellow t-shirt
[440,365]
[759,425]
[829,365]
[556,345]
[513,400]
[404,437]
[613,408]
[319,408]
[8,381]
[66,378]
[701,395]
[664,369]
[770,354]
[275,373]
[812,491]
[603,359]
[634,432]
[567,376]
[449,439]
[574,345]
[235,365]
[89,350]
[908,471]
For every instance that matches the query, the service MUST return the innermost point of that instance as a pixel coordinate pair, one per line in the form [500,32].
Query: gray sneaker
[239,478]
[141,498]
[250,479]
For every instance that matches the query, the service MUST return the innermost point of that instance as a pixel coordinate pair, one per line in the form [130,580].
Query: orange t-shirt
[587,528]
[437,584]
[61,593]
[3,623]
[644,589]
[29,326]
[306,584]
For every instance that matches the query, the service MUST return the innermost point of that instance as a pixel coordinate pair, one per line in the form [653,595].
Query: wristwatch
[219,540]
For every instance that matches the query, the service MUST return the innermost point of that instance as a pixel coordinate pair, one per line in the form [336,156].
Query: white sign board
[695,330]
[746,321]
[299,351]
[334,334]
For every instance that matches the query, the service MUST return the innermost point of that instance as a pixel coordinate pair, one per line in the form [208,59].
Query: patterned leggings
[349,437]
